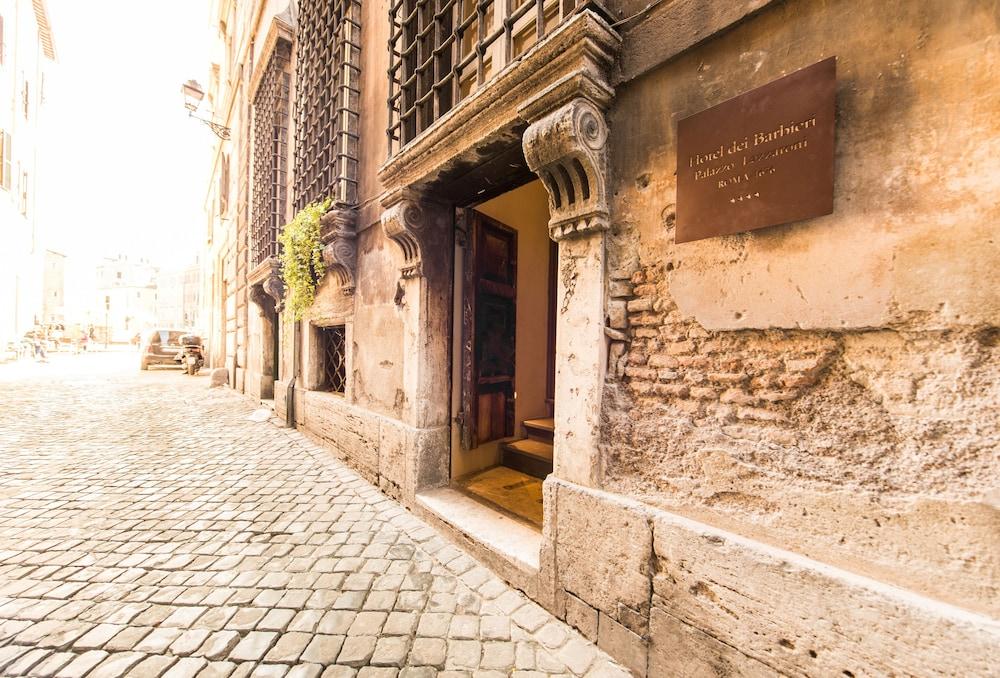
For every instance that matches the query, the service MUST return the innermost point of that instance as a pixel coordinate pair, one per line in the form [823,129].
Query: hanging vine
[302,264]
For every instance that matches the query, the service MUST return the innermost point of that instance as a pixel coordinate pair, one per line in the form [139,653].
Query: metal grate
[441,51]
[270,154]
[326,103]
[334,358]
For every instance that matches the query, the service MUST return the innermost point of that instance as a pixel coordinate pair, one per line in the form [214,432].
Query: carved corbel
[260,297]
[406,222]
[265,279]
[275,288]
[567,149]
[340,249]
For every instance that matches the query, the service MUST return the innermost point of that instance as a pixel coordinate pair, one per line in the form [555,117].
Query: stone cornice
[279,29]
[573,62]
[261,271]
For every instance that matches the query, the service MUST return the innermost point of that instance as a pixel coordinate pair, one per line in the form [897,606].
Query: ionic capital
[409,220]
[567,149]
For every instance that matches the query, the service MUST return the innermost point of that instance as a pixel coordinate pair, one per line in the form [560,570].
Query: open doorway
[504,352]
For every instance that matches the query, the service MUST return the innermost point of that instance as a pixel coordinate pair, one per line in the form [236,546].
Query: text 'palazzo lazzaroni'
[722,427]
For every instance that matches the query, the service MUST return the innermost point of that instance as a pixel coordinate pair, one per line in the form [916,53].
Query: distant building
[178,295]
[27,52]
[54,288]
[126,297]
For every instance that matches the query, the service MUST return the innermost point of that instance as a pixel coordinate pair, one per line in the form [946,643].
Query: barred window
[333,344]
[270,154]
[327,75]
[441,51]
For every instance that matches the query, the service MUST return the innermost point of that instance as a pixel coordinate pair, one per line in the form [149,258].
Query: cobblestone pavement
[148,528]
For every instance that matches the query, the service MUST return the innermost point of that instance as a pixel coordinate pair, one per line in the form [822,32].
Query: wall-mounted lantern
[193,94]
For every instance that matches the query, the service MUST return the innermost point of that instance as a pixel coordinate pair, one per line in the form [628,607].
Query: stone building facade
[27,54]
[769,453]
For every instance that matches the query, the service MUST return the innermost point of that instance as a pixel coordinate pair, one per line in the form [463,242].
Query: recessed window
[24,194]
[333,351]
[5,171]
[270,150]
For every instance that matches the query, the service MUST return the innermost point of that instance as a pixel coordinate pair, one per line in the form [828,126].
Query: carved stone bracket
[567,149]
[407,223]
[266,279]
[260,297]
[340,247]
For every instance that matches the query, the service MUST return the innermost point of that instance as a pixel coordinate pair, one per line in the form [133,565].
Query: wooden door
[489,308]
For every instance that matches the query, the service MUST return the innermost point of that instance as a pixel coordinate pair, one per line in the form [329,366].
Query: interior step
[540,429]
[528,456]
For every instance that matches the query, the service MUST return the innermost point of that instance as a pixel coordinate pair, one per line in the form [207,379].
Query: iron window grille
[441,51]
[270,154]
[334,344]
[327,77]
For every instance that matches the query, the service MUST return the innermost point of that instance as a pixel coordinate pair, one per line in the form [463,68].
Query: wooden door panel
[489,314]
[468,417]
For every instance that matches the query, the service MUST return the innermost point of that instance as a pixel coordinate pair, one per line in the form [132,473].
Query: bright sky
[127,169]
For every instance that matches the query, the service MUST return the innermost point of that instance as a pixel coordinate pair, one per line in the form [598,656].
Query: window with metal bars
[441,51]
[270,154]
[333,342]
[327,76]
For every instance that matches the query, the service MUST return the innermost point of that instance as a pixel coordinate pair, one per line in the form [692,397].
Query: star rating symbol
[747,196]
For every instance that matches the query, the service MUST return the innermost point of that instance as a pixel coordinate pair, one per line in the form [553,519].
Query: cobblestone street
[148,528]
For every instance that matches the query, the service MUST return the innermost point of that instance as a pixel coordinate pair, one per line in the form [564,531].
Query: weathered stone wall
[378,330]
[670,596]
[830,387]
[382,449]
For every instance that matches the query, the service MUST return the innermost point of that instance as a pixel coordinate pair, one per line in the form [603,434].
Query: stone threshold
[508,545]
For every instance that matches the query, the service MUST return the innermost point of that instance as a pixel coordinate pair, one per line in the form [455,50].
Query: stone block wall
[670,596]
[800,425]
[828,387]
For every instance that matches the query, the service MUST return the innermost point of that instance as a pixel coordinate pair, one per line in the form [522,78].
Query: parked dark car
[161,347]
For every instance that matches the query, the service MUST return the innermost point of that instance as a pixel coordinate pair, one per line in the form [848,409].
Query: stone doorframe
[560,89]
[267,294]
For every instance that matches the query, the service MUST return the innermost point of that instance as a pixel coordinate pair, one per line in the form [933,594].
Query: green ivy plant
[302,257]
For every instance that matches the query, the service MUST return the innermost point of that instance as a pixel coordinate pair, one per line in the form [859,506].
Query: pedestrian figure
[39,344]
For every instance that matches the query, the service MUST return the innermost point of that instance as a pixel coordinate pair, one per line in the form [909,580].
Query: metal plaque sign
[759,159]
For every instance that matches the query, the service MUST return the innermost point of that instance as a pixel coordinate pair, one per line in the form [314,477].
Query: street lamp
[193,94]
